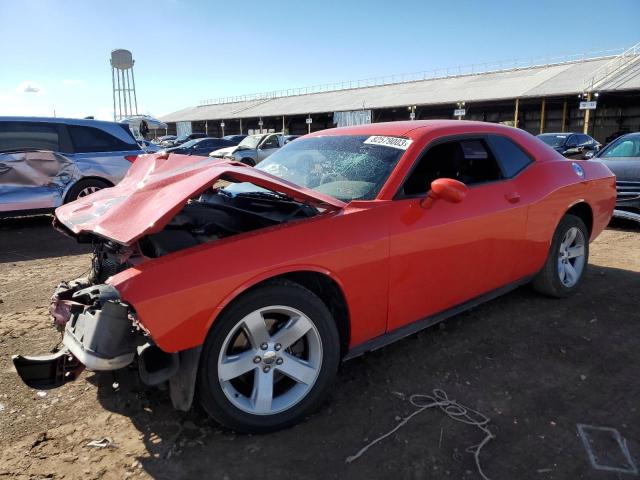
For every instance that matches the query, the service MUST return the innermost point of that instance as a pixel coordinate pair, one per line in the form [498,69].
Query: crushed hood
[157,187]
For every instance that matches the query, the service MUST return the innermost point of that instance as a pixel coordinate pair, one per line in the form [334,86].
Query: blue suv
[45,162]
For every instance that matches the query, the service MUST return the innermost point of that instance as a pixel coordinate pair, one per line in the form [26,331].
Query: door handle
[512,197]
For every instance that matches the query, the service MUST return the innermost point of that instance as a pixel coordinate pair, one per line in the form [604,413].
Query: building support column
[240,126]
[283,126]
[542,108]
[564,116]
[586,116]
[515,115]
[206,128]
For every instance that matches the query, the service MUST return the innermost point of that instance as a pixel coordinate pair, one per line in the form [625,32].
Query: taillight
[131,158]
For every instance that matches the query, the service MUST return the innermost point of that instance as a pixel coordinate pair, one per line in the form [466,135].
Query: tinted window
[553,140]
[90,139]
[511,157]
[18,135]
[468,161]
[583,139]
[271,142]
[572,141]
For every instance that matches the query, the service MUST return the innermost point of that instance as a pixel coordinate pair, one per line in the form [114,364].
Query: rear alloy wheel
[84,188]
[269,359]
[571,257]
[567,260]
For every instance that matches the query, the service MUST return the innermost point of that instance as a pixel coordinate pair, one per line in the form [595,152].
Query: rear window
[20,136]
[91,139]
[511,157]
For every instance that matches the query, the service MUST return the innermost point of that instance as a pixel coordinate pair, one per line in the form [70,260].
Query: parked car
[341,242]
[253,149]
[622,156]
[45,162]
[201,146]
[179,140]
[164,138]
[576,146]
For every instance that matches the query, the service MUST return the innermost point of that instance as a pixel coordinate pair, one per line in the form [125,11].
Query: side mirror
[447,189]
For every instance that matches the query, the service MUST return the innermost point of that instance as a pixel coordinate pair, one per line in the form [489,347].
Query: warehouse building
[550,97]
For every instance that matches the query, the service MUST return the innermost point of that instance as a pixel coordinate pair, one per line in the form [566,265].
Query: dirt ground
[537,367]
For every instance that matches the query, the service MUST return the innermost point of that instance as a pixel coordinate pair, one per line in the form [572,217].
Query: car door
[33,170]
[205,147]
[451,253]
[269,145]
[101,154]
[573,150]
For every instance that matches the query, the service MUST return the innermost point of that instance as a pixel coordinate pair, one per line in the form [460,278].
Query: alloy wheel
[571,257]
[270,361]
[87,191]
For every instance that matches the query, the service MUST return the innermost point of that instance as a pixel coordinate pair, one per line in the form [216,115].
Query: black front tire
[210,392]
[547,281]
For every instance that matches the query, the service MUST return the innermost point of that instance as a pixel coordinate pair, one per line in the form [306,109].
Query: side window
[469,161]
[584,140]
[90,139]
[271,142]
[23,135]
[510,156]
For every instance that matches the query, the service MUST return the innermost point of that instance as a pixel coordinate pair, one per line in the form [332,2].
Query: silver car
[255,148]
[45,162]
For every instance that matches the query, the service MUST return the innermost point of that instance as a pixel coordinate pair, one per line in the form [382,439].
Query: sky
[54,56]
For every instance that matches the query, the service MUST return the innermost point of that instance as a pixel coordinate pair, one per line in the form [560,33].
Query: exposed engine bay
[213,215]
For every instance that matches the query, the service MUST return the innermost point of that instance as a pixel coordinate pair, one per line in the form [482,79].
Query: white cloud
[29,86]
[72,82]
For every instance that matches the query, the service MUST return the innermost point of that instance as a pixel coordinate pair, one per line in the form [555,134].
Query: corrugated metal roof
[542,81]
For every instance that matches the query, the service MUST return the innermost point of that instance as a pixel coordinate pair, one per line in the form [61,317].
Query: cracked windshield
[344,167]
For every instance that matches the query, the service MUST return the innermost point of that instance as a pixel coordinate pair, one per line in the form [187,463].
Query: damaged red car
[245,287]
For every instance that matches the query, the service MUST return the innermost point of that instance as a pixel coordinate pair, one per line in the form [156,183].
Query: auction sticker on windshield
[394,142]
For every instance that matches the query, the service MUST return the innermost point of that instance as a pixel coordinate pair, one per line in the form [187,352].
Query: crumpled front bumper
[99,334]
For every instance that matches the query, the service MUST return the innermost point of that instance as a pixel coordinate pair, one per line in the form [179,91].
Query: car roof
[415,129]
[62,120]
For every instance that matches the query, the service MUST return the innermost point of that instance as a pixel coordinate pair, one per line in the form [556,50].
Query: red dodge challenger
[249,285]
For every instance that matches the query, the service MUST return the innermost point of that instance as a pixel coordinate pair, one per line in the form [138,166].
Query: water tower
[124,84]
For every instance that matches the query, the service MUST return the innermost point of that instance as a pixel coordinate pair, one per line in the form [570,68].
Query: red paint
[395,261]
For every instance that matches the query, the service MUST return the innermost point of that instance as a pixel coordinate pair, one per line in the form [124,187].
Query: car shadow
[621,224]
[536,366]
[31,238]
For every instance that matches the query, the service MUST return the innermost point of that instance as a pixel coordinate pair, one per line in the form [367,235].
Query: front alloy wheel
[269,358]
